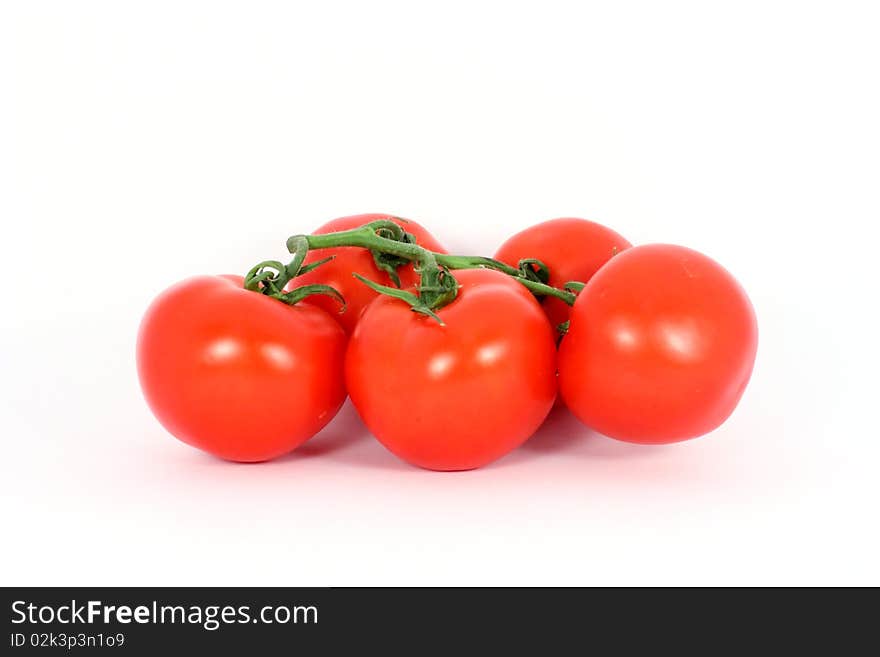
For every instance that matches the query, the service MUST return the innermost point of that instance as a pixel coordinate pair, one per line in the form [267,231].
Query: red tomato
[238,374]
[349,259]
[458,396]
[572,249]
[661,346]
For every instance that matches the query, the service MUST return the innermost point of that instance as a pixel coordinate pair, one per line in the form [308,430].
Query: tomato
[349,259]
[236,373]
[459,395]
[661,346]
[572,249]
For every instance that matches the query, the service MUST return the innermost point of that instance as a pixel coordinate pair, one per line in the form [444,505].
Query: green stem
[475,262]
[366,237]
[387,241]
[436,288]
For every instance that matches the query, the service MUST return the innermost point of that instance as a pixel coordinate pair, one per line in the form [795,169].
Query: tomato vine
[392,246]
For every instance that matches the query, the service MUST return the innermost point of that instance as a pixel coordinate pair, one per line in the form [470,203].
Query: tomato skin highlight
[661,346]
[573,250]
[349,259]
[238,374]
[458,396]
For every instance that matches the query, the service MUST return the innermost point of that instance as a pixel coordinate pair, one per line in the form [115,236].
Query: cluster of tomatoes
[658,347]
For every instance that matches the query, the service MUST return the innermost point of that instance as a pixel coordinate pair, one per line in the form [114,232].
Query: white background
[144,142]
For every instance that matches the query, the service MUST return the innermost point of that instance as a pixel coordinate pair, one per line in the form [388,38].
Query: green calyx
[415,301]
[534,270]
[271,277]
[390,262]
